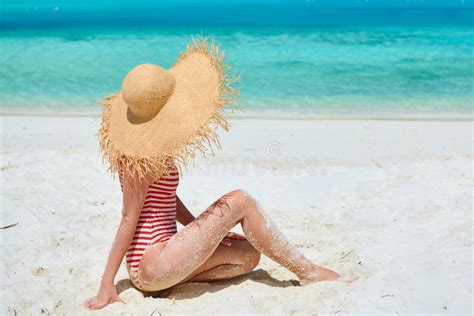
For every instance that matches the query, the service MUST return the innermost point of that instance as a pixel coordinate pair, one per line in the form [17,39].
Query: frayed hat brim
[198,137]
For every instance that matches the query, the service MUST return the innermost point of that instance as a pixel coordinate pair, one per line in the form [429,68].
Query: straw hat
[167,115]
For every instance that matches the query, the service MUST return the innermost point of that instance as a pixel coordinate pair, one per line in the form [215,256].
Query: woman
[151,128]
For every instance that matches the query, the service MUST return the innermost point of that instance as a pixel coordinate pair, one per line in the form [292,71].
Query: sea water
[299,70]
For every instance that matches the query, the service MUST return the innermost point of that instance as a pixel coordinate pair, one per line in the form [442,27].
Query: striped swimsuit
[157,222]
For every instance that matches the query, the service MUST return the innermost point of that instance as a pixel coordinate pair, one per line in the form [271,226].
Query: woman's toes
[348,278]
[323,274]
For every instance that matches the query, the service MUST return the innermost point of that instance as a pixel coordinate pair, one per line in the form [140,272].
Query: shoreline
[291,116]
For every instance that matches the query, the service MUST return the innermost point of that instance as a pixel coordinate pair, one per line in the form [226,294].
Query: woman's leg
[166,265]
[227,262]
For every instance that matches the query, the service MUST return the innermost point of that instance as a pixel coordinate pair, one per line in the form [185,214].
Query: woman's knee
[244,254]
[252,258]
[239,199]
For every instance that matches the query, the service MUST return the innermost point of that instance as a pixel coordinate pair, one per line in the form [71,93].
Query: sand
[388,201]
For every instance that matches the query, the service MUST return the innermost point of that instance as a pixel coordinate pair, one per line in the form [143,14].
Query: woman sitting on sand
[157,122]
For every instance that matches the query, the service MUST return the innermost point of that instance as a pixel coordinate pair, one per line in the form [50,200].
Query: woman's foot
[323,274]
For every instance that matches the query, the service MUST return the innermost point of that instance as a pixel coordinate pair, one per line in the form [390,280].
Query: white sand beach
[388,201]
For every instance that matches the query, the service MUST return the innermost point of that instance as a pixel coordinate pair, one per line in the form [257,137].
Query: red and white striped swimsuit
[157,222]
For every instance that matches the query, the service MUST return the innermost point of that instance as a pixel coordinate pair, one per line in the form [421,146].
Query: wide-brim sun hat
[161,116]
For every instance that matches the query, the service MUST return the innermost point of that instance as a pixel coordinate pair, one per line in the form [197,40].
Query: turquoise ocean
[328,62]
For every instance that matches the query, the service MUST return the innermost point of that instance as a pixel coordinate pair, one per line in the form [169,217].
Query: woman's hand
[107,295]
[230,235]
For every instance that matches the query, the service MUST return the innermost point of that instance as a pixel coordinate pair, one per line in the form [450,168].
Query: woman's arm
[134,194]
[183,215]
